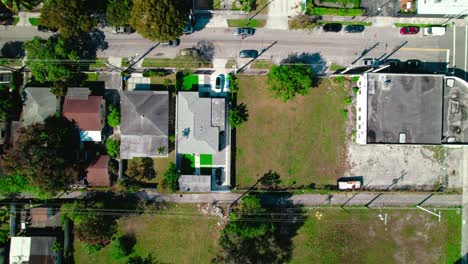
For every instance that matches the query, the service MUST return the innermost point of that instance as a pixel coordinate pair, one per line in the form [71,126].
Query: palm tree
[15,5]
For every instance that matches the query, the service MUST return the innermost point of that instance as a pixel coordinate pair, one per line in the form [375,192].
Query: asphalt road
[319,47]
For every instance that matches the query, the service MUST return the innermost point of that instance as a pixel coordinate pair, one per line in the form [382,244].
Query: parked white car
[434,31]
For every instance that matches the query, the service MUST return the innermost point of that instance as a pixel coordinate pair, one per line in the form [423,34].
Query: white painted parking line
[447,60]
[454,46]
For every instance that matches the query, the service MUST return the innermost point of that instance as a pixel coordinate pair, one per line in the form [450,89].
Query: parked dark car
[244,32]
[394,63]
[332,27]
[220,82]
[171,43]
[45,29]
[413,65]
[354,28]
[409,30]
[248,54]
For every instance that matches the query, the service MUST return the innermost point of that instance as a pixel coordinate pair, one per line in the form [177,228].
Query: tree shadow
[87,44]
[13,49]
[315,61]
[277,223]
[206,49]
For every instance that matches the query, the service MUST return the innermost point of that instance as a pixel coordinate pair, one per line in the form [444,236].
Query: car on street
[371,62]
[332,27]
[219,82]
[171,43]
[45,29]
[244,32]
[409,30]
[413,65]
[434,31]
[189,52]
[394,63]
[123,30]
[188,29]
[354,28]
[248,54]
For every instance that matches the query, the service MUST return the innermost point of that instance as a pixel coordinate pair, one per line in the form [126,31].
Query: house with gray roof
[144,124]
[203,151]
[39,103]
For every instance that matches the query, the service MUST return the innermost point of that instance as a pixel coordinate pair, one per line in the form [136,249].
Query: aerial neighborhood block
[144,124]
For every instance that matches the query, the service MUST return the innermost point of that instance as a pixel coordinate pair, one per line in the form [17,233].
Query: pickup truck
[434,31]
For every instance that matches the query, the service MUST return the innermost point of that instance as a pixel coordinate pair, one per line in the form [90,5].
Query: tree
[91,224]
[45,154]
[113,118]
[52,60]
[6,103]
[286,81]
[121,246]
[113,147]
[15,5]
[159,20]
[118,12]
[139,168]
[69,17]
[245,239]
[270,179]
[237,115]
[171,177]
[140,260]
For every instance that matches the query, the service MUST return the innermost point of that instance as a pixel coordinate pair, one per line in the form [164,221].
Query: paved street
[320,47]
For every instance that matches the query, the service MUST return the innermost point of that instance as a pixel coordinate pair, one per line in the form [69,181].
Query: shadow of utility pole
[364,52]
[142,56]
[263,51]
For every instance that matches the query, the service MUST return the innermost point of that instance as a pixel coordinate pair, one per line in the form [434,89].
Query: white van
[434,31]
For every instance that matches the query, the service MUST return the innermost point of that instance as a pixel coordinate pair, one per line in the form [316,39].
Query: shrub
[286,81]
[355,90]
[113,147]
[171,178]
[237,115]
[158,73]
[113,118]
[121,247]
[302,22]
[348,100]
[92,249]
[337,11]
[344,112]
[172,138]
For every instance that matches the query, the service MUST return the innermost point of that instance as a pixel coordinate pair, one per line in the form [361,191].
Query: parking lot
[405,167]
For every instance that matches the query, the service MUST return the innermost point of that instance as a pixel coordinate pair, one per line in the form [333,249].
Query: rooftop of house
[39,104]
[32,250]
[84,109]
[98,172]
[44,217]
[199,123]
[404,107]
[144,124]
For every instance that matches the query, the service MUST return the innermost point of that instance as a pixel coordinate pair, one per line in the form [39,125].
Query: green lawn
[190,82]
[416,25]
[180,234]
[360,236]
[125,62]
[345,3]
[261,64]
[255,23]
[99,63]
[15,20]
[337,11]
[34,21]
[303,140]
[92,76]
[181,62]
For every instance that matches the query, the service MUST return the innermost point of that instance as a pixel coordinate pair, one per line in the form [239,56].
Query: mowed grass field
[360,236]
[303,139]
[180,234]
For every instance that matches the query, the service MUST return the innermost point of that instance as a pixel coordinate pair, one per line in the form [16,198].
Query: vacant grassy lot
[255,23]
[176,235]
[410,236]
[303,139]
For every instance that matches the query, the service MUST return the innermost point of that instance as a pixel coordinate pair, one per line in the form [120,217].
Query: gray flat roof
[404,103]
[40,103]
[199,121]
[144,124]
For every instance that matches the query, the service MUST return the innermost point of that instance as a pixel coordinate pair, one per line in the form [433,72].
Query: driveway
[387,7]
[277,15]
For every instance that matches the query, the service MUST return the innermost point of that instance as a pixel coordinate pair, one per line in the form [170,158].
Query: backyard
[360,236]
[180,234]
[303,140]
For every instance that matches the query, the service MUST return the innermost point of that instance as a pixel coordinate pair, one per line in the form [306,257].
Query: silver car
[244,32]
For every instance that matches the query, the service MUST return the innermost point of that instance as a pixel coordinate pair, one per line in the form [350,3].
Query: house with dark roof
[33,250]
[144,124]
[39,103]
[203,149]
[97,174]
[41,217]
[88,111]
